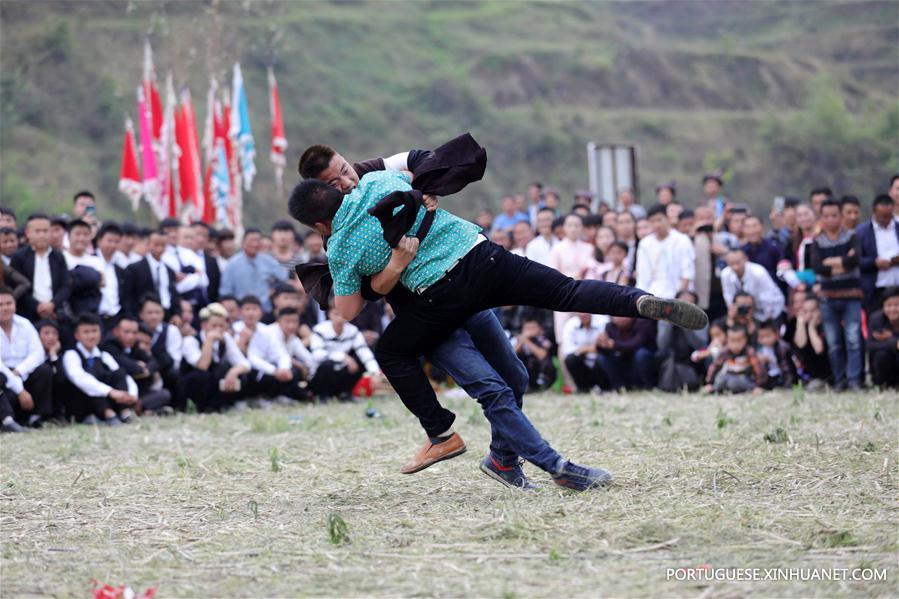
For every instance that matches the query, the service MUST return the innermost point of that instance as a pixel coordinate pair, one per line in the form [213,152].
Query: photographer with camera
[753,279]
[740,313]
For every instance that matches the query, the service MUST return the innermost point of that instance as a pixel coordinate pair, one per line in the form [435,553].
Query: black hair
[768,324]
[821,190]
[685,214]
[592,220]
[744,294]
[37,216]
[130,229]
[227,298]
[547,209]
[831,202]
[149,297]
[737,328]
[251,231]
[559,221]
[314,160]
[142,328]
[312,233]
[282,288]
[282,225]
[60,221]
[657,209]
[4,290]
[8,231]
[78,223]
[201,224]
[144,232]
[7,212]
[109,228]
[44,323]
[88,319]
[539,185]
[250,299]
[313,201]
[791,202]
[890,292]
[893,179]
[225,234]
[849,199]
[123,318]
[882,200]
[580,207]
[619,244]
[83,193]
[287,311]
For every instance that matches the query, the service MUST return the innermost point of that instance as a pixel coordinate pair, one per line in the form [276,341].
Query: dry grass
[268,504]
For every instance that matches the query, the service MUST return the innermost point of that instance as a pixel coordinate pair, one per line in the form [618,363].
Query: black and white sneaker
[680,313]
[512,476]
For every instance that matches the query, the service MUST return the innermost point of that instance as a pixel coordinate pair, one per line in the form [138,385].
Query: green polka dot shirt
[357,248]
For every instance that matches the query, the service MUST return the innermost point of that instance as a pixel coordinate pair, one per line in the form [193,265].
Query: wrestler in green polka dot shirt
[357,248]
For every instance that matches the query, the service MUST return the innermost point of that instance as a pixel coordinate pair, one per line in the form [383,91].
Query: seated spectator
[760,249]
[579,352]
[251,272]
[626,353]
[99,389]
[534,350]
[140,365]
[835,258]
[9,244]
[751,278]
[774,354]
[737,369]
[48,331]
[232,306]
[46,268]
[28,379]
[675,347]
[165,346]
[809,346]
[741,313]
[150,276]
[340,352]
[16,282]
[704,357]
[883,341]
[280,361]
[502,238]
[212,365]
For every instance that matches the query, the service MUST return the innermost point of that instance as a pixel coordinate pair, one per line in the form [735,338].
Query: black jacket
[139,283]
[215,277]
[128,360]
[23,261]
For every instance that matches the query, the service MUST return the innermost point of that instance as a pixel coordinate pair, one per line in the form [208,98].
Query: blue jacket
[868,243]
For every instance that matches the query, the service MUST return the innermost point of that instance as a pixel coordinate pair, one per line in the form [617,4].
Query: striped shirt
[846,245]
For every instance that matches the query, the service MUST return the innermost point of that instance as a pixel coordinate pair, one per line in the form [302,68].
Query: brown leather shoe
[429,454]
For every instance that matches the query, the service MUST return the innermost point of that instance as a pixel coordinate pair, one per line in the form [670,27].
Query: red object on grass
[363,387]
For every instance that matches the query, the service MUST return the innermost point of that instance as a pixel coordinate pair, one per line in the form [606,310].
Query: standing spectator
[212,364]
[108,238]
[165,345]
[201,236]
[340,353]
[84,207]
[284,247]
[191,281]
[98,387]
[150,276]
[579,351]
[9,244]
[666,192]
[521,237]
[227,247]
[883,342]
[627,202]
[666,260]
[752,278]
[674,351]
[85,270]
[685,222]
[7,218]
[45,268]
[818,196]
[535,351]
[626,232]
[534,200]
[140,365]
[59,236]
[879,257]
[315,248]
[712,188]
[774,354]
[484,219]
[894,195]
[29,380]
[509,216]
[539,248]
[851,208]
[760,249]
[809,345]
[835,258]
[127,253]
[737,369]
[796,269]
[251,272]
[627,350]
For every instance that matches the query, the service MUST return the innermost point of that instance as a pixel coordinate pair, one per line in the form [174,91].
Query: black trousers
[585,377]
[332,378]
[487,277]
[40,386]
[885,367]
[80,405]
[269,386]
[541,373]
[202,386]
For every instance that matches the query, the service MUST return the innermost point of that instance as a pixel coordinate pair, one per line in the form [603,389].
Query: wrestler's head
[323,163]
[314,203]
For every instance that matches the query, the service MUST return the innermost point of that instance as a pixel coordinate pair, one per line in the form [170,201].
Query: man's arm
[384,281]
[349,306]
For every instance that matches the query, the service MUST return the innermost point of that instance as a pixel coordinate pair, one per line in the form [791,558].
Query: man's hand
[283,375]
[120,396]
[882,263]
[213,336]
[404,252]
[430,202]
[230,382]
[352,365]
[180,276]
[881,335]
[26,402]
[45,309]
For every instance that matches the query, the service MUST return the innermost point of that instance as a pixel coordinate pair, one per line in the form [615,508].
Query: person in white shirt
[666,260]
[85,270]
[125,255]
[280,359]
[189,268]
[340,353]
[108,238]
[749,277]
[214,365]
[521,236]
[28,379]
[98,388]
[579,349]
[539,248]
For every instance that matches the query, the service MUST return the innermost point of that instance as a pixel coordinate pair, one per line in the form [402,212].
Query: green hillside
[782,95]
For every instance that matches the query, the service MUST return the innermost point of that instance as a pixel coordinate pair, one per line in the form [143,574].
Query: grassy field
[255,504]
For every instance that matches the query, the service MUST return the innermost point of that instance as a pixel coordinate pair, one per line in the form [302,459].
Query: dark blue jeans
[636,371]
[480,359]
[842,320]
[487,277]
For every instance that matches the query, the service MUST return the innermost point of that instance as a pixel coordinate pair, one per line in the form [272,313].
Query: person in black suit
[45,268]
[202,233]
[879,257]
[121,344]
[150,276]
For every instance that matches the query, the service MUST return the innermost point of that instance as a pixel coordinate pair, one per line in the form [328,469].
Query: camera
[743,310]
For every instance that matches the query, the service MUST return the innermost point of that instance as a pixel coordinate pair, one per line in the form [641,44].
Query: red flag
[129,176]
[189,165]
[151,93]
[279,141]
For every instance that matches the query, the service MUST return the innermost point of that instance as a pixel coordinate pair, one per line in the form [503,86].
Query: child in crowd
[737,369]
[775,357]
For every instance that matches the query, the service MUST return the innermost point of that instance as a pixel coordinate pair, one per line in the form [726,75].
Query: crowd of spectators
[101,322]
